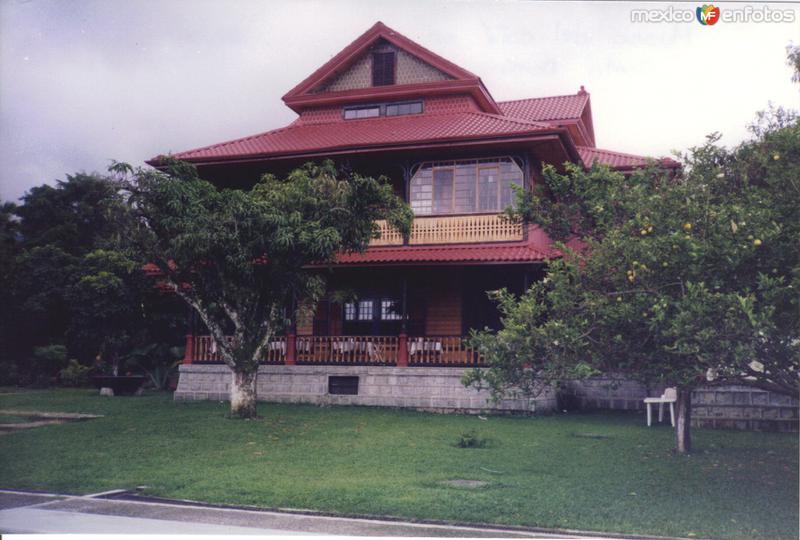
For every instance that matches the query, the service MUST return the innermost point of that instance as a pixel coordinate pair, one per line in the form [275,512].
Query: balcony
[463,229]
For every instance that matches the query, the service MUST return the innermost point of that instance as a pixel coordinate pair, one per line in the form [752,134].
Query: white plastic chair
[670,396]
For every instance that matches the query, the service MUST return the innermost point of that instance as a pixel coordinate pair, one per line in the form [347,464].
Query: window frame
[498,195]
[362,108]
[492,162]
[382,107]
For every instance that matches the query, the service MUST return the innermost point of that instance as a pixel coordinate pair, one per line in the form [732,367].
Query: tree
[78,215]
[71,280]
[240,258]
[682,279]
[115,312]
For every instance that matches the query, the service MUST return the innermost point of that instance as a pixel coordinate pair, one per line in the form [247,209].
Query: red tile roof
[546,108]
[305,137]
[619,160]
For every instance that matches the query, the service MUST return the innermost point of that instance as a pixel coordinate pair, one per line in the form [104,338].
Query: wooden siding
[443,315]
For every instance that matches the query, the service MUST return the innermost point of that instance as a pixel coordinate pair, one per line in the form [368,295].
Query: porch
[401,317]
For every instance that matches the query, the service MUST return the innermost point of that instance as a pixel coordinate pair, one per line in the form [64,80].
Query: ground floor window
[372,316]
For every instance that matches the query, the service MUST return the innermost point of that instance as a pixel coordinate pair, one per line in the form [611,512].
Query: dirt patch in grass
[12,420]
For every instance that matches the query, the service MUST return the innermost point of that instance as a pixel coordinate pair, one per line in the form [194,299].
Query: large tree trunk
[683,437]
[243,394]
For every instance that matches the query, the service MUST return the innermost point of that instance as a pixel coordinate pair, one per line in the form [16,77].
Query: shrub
[75,374]
[471,439]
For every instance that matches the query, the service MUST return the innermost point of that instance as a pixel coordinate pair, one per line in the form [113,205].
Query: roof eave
[537,136]
[473,86]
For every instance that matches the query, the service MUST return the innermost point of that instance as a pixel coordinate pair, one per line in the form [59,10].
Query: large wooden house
[385,105]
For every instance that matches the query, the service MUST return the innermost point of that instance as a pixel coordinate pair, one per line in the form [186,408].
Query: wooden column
[291,347]
[188,354]
[402,350]
[291,338]
[402,343]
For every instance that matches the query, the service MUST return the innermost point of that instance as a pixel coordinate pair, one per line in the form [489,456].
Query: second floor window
[464,187]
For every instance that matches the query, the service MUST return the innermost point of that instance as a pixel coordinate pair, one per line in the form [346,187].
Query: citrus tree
[679,278]
[240,258]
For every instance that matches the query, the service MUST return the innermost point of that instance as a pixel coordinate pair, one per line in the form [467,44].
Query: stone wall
[425,388]
[736,407]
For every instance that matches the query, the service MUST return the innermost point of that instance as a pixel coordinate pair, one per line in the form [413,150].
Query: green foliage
[77,215]
[74,374]
[158,361]
[680,278]
[240,258]
[46,362]
[471,439]
[72,278]
[54,355]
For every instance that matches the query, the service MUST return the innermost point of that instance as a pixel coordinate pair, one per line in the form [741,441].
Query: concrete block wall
[734,407]
[425,388]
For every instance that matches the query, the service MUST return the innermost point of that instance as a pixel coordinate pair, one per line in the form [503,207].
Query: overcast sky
[82,82]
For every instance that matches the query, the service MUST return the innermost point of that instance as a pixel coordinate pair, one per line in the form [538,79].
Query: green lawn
[604,472]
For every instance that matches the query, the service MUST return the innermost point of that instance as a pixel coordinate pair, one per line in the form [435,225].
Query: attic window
[352,113]
[401,108]
[382,68]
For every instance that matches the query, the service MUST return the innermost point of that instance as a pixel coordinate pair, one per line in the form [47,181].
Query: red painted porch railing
[205,350]
[442,351]
[358,350]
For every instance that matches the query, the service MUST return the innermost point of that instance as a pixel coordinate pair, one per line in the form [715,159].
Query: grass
[606,472]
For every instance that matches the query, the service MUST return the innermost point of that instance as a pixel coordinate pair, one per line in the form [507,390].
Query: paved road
[25,512]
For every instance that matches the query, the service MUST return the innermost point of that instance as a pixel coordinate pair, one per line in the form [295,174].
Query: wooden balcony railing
[464,229]
[359,350]
[441,351]
[205,350]
[428,351]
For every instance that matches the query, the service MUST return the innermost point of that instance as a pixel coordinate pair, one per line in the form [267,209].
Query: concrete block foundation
[730,407]
[422,388]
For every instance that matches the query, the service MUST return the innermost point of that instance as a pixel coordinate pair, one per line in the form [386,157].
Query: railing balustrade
[206,351]
[355,350]
[442,351]
[358,350]
[464,229]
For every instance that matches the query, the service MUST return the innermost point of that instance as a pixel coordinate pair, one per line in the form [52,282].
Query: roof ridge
[614,152]
[541,97]
[513,119]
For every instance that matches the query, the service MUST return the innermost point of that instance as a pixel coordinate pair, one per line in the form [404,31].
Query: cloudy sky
[82,82]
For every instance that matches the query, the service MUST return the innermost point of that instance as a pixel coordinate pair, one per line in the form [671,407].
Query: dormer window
[400,108]
[383,68]
[353,113]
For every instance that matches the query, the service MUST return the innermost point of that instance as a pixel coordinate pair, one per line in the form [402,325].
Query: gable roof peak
[299,96]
